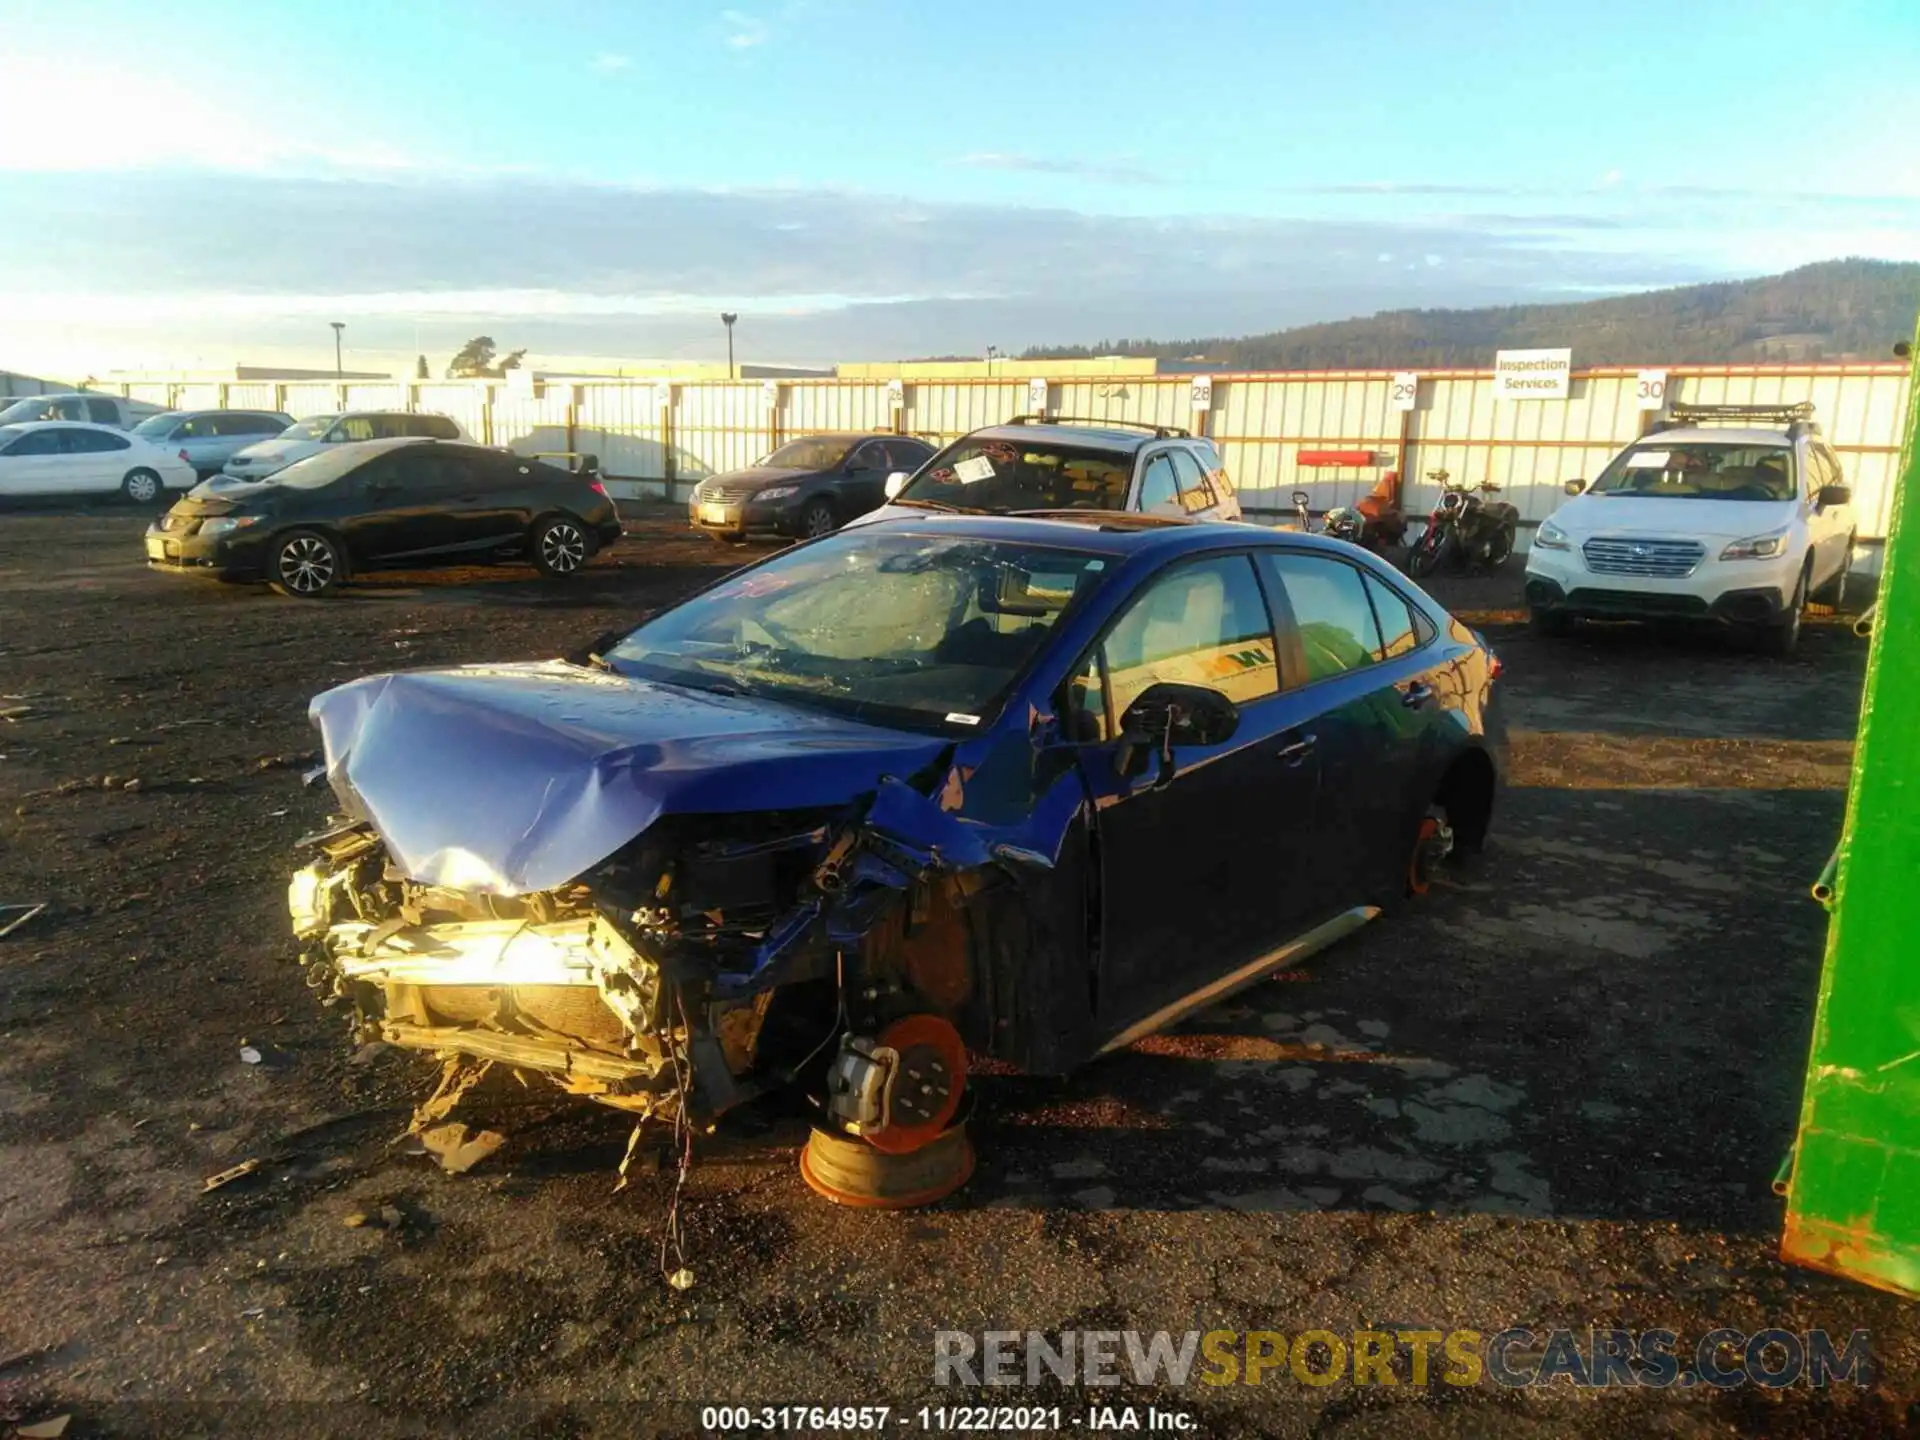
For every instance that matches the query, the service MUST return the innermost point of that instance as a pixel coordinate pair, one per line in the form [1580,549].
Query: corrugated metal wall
[667,436]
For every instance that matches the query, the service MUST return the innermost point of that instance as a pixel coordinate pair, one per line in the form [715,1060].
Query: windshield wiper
[928,505]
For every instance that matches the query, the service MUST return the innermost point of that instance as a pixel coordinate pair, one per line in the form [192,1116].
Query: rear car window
[1331,611]
[103,412]
[995,475]
[438,427]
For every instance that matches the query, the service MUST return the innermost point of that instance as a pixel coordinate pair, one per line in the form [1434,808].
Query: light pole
[993,354]
[338,326]
[727,317]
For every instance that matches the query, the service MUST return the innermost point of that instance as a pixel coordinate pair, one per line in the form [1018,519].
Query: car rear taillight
[1494,667]
[183,456]
[598,489]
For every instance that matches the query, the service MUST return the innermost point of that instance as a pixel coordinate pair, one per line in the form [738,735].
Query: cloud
[744,31]
[104,116]
[1391,187]
[818,273]
[1117,173]
[607,62]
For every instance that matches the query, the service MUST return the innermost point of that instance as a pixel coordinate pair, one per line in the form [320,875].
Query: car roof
[65,425]
[1714,434]
[349,414]
[1087,437]
[1108,531]
[216,410]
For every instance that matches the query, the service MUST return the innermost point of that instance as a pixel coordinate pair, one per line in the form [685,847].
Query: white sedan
[58,457]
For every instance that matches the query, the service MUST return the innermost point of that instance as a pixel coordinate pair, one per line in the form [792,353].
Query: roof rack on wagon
[1796,417]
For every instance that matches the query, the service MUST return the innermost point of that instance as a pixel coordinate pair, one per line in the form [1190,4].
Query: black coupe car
[807,487]
[386,504]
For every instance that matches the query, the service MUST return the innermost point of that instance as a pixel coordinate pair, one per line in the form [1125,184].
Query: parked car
[807,487]
[311,436]
[87,408]
[56,457]
[1026,789]
[1034,465]
[207,439]
[383,504]
[1731,513]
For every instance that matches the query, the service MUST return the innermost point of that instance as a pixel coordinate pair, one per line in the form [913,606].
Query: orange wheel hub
[926,1090]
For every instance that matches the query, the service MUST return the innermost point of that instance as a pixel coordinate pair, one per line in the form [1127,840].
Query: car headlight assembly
[227,524]
[1756,547]
[777,492]
[1551,537]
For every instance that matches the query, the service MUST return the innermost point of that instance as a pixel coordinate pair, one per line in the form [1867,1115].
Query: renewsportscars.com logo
[1516,1357]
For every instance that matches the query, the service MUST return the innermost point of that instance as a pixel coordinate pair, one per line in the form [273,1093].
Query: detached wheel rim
[306,565]
[563,549]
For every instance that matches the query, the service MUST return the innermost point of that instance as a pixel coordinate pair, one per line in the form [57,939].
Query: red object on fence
[1335,457]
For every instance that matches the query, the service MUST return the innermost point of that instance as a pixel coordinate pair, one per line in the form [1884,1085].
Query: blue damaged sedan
[1020,788]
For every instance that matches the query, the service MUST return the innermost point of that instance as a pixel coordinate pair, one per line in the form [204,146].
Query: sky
[209,182]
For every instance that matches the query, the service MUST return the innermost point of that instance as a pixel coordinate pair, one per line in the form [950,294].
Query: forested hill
[1839,309]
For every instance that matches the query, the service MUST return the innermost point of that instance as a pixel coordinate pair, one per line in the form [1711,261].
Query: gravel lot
[1553,1094]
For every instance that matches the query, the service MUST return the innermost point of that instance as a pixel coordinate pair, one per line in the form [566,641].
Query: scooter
[1465,531]
[1377,522]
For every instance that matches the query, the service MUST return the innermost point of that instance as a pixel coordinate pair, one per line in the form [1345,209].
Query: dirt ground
[1554,1094]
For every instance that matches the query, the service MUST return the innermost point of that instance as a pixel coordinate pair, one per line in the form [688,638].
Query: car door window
[1827,471]
[428,476]
[353,427]
[68,410]
[1159,487]
[1203,623]
[869,456]
[91,442]
[1402,628]
[196,427]
[1196,493]
[103,412]
[1331,611]
[36,442]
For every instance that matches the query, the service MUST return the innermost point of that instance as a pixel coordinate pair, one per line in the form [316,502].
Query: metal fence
[1330,433]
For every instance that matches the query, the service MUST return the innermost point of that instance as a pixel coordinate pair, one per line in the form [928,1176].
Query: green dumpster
[1853,1192]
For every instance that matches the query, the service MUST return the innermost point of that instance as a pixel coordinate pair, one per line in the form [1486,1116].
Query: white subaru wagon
[1731,513]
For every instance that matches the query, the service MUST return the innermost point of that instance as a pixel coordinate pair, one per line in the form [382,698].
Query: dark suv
[807,487]
[1033,465]
[386,504]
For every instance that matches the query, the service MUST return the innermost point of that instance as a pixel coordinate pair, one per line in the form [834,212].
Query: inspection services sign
[1532,374]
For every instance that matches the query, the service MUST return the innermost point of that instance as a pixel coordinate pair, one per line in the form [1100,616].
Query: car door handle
[1298,751]
[1416,695]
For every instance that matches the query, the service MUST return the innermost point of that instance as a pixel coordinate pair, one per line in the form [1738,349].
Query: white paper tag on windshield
[1649,459]
[977,467]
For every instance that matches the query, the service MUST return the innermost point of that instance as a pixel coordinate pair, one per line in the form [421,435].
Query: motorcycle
[1465,531]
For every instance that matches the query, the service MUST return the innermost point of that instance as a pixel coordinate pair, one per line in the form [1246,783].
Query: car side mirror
[1167,714]
[1834,495]
[896,482]
[1575,487]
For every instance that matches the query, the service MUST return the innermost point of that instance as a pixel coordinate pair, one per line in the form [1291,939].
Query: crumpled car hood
[508,779]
